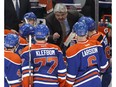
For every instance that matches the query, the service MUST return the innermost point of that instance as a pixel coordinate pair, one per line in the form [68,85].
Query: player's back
[99,36]
[86,58]
[48,53]
[12,69]
[47,60]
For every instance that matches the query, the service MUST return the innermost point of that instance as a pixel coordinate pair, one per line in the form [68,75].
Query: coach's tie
[17,8]
[63,26]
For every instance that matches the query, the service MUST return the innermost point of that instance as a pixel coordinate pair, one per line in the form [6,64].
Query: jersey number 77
[43,62]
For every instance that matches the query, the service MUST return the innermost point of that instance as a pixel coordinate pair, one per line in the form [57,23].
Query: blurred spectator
[89,8]
[14,12]
[41,7]
[47,4]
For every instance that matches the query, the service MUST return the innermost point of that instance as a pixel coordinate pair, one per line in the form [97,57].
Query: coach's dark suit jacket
[11,19]
[54,25]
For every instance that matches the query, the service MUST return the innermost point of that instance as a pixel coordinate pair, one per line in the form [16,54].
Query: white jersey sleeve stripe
[26,75]
[14,81]
[26,67]
[86,80]
[62,71]
[69,82]
[45,83]
[103,67]
[95,69]
[71,76]
[62,77]
[45,76]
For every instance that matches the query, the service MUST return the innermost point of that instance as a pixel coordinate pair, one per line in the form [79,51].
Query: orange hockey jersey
[12,69]
[99,36]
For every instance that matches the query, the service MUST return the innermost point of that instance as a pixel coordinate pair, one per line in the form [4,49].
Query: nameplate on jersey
[45,52]
[89,51]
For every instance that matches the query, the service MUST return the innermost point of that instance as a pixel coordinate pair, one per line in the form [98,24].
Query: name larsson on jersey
[45,52]
[89,51]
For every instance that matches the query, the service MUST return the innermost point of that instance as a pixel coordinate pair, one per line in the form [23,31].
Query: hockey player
[12,62]
[86,60]
[30,18]
[47,65]
[27,29]
[99,36]
[24,32]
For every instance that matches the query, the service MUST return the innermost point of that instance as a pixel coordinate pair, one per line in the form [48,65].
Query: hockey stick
[68,40]
[30,79]
[26,21]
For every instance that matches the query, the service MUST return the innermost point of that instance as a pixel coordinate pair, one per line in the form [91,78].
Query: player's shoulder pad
[22,40]
[13,57]
[55,46]
[72,50]
[95,42]
[24,49]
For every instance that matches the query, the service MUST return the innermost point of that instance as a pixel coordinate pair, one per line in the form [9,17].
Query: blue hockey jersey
[47,65]
[85,61]
[12,69]
[99,36]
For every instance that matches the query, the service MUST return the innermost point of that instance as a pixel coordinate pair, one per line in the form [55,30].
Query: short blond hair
[60,8]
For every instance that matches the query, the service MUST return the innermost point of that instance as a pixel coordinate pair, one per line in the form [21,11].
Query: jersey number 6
[90,60]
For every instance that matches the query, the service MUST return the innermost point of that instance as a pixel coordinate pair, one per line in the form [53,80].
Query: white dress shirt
[14,2]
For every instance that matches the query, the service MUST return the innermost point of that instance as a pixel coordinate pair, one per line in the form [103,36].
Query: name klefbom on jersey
[45,52]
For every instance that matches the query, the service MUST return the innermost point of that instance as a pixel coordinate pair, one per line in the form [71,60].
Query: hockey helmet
[26,29]
[89,22]
[82,19]
[30,15]
[80,28]
[41,31]
[11,40]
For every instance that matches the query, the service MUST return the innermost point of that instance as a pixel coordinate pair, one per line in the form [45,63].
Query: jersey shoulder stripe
[22,41]
[12,57]
[98,35]
[77,48]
